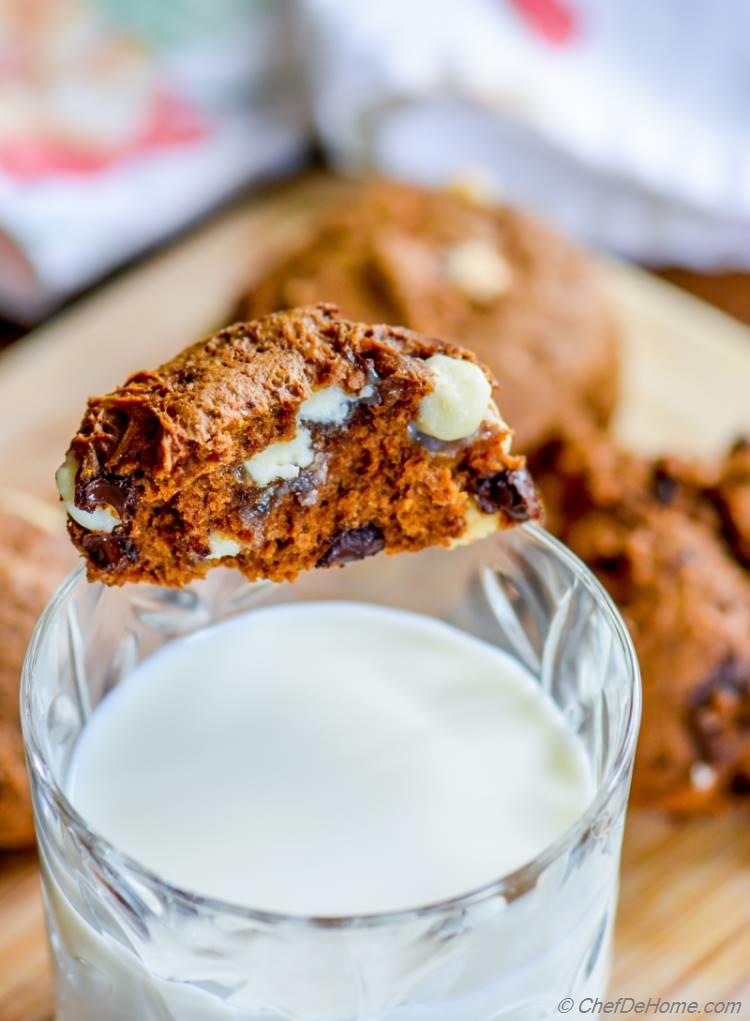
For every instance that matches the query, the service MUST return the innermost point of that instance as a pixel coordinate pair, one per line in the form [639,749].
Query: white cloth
[120,123]
[625,121]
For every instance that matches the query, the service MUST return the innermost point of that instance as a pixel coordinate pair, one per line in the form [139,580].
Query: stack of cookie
[670,540]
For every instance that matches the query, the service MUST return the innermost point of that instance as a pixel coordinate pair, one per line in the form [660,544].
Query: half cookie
[297,441]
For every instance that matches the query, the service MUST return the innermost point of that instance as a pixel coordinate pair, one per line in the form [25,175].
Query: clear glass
[128,946]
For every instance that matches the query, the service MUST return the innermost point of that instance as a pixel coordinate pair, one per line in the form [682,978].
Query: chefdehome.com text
[654,1006]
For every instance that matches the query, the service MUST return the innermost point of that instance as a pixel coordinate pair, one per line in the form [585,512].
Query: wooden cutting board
[684,923]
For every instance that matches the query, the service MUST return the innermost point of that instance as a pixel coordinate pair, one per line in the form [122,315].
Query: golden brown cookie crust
[491,278]
[169,453]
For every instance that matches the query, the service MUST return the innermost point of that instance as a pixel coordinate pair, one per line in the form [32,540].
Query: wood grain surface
[684,922]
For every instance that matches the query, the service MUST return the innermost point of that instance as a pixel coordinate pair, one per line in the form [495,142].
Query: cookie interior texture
[489,277]
[670,539]
[32,564]
[297,441]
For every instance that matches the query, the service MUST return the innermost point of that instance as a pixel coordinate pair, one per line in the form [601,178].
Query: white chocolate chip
[479,270]
[331,404]
[458,403]
[477,185]
[101,519]
[221,545]
[702,776]
[478,525]
[281,460]
[496,420]
[328,406]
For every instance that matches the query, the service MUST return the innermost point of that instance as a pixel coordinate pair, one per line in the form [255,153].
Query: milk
[329,759]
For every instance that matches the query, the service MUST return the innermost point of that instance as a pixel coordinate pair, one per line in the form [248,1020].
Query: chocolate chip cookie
[297,441]
[488,277]
[32,563]
[670,539]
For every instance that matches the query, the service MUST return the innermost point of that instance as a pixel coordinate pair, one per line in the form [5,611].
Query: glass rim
[522,877]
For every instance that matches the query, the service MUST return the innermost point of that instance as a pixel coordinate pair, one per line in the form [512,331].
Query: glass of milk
[393,791]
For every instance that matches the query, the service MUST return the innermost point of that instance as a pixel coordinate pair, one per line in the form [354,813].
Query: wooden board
[684,923]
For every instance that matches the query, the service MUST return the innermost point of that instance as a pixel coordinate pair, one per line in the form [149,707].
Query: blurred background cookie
[669,539]
[34,558]
[453,265]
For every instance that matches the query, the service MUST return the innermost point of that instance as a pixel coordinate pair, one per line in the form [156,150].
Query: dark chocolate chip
[392,390]
[108,551]
[665,487]
[511,492]
[617,565]
[732,530]
[732,676]
[353,544]
[103,491]
[740,785]
[741,444]
[720,710]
